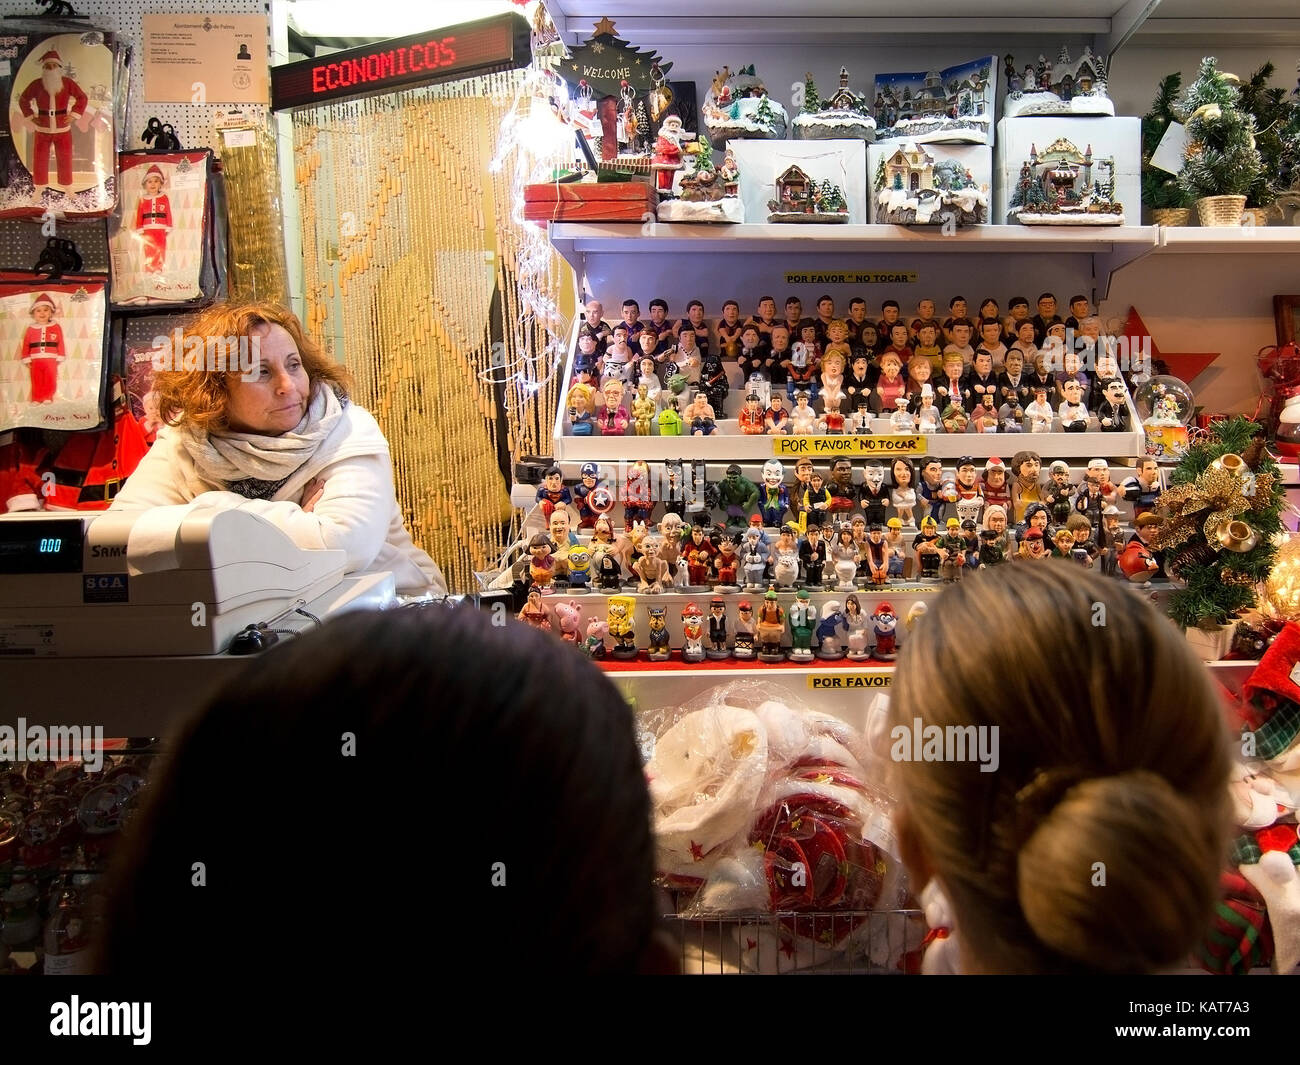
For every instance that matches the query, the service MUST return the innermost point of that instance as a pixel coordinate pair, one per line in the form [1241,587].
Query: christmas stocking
[1275,878]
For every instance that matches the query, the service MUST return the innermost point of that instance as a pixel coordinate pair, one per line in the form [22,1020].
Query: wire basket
[880,942]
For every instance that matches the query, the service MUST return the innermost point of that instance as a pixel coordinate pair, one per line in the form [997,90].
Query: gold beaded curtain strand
[396,222]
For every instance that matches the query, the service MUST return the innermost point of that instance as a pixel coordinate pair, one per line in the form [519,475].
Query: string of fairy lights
[414,243]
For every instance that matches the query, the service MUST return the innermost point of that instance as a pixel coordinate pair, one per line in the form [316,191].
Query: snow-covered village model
[1057,188]
[953,105]
[1066,87]
[844,115]
[800,198]
[705,190]
[913,189]
[741,108]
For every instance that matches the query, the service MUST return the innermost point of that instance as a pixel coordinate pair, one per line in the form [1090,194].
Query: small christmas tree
[1221,158]
[1203,498]
[811,101]
[832,199]
[1274,113]
[880,173]
[765,116]
[1159,187]
[704,157]
[644,135]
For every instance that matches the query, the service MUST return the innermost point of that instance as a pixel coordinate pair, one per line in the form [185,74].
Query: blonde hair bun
[1115,876]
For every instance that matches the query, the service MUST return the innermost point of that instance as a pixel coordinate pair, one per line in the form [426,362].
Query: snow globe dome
[1166,406]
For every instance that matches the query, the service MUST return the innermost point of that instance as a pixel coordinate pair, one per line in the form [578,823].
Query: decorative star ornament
[605,28]
[1186,366]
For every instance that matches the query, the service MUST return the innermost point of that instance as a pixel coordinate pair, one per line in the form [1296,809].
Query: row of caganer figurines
[758,632]
[848,557]
[925,410]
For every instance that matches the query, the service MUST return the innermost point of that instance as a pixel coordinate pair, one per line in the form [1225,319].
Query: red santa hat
[51,57]
[44,299]
[153,171]
[995,463]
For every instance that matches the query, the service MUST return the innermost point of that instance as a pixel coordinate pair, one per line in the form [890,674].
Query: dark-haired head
[477,784]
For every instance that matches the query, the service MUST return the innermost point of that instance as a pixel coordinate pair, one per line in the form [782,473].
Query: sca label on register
[104,588]
[849,445]
[842,681]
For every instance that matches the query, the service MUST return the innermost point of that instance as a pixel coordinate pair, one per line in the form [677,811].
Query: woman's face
[902,474]
[273,398]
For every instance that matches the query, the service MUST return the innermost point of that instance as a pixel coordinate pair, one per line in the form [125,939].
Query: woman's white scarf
[236,459]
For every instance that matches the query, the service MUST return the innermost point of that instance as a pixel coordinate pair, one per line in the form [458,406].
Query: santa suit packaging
[55,331]
[53,114]
[91,467]
[153,221]
[41,351]
[21,459]
[160,243]
[61,86]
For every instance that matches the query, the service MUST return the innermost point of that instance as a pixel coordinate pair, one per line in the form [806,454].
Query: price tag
[1169,153]
[240,138]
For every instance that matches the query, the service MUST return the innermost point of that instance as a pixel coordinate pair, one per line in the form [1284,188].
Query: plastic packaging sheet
[775,814]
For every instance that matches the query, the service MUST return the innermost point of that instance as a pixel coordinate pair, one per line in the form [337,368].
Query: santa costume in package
[58,80]
[52,351]
[764,807]
[160,241]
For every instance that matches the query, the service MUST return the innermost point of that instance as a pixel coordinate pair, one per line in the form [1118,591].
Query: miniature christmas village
[1057,188]
[1066,87]
[737,106]
[800,198]
[939,105]
[913,189]
[844,116]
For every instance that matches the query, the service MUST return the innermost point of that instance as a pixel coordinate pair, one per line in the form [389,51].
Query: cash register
[180,580]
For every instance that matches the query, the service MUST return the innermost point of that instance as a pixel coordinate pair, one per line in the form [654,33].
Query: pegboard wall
[21,240]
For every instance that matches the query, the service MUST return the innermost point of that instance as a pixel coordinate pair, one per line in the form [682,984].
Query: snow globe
[913,188]
[1057,188]
[845,115]
[1066,87]
[742,109]
[1166,406]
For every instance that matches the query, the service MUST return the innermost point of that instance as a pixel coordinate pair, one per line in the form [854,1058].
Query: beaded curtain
[407,239]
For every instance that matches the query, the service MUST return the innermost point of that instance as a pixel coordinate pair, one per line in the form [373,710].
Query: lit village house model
[1057,189]
[1066,87]
[800,198]
[955,104]
[844,116]
[913,189]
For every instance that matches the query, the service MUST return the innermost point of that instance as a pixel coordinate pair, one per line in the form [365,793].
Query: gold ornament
[1236,536]
[1234,464]
[1217,491]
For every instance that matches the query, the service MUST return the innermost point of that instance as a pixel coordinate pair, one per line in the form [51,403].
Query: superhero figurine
[552,493]
[638,501]
[589,476]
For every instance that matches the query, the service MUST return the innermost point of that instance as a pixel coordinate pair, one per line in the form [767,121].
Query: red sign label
[499,43]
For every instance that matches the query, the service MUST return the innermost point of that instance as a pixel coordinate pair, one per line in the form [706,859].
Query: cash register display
[45,546]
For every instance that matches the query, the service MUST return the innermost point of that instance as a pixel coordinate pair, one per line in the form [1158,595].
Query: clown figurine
[803,616]
[42,350]
[50,104]
[153,220]
[773,497]
[886,620]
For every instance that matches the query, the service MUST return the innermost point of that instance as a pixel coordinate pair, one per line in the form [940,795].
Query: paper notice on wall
[208,59]
[1169,153]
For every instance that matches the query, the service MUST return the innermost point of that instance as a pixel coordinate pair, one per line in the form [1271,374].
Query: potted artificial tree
[1221,162]
[1161,194]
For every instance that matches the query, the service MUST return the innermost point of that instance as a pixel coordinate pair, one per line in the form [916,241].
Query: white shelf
[667,237]
[1230,240]
[727,22]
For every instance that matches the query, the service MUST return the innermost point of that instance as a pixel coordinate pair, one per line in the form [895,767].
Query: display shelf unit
[1230,240]
[1106,250]
[1108,22]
